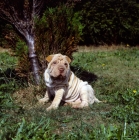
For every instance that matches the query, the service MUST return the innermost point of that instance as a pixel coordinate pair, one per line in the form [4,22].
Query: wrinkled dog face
[58,66]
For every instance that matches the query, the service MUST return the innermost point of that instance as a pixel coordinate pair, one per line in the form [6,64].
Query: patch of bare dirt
[101,48]
[28,97]
[3,50]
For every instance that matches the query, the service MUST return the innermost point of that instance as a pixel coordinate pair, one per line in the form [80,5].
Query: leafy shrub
[58,31]
[110,21]
[8,36]
[23,67]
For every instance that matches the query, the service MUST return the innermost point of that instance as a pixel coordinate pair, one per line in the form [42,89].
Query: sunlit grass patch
[116,83]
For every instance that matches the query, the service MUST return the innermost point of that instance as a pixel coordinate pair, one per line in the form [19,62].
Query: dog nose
[61,69]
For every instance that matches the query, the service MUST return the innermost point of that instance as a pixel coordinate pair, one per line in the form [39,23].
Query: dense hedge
[110,21]
[104,21]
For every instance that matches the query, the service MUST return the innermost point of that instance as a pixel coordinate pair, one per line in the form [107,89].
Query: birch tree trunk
[21,15]
[33,59]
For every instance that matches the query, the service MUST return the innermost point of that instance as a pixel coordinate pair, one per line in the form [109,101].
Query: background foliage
[104,22]
[110,21]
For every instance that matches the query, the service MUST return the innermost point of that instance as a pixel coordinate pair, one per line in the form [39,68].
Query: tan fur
[63,85]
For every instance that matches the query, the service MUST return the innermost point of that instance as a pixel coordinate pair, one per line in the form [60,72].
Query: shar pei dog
[63,85]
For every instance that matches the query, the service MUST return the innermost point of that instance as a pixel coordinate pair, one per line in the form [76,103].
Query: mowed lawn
[114,75]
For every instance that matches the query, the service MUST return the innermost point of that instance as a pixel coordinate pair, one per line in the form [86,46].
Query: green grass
[117,118]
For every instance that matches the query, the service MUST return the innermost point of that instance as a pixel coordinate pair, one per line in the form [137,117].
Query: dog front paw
[43,100]
[51,108]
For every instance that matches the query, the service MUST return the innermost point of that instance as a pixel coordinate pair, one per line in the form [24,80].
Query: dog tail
[92,97]
[97,100]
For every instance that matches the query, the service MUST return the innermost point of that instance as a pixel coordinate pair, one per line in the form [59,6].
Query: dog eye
[54,62]
[65,64]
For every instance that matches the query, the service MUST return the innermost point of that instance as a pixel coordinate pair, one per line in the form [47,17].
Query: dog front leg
[57,99]
[45,99]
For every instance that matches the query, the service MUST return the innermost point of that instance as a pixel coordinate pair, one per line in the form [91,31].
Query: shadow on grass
[84,75]
[79,72]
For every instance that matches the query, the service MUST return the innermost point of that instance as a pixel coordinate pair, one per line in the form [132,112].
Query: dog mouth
[60,77]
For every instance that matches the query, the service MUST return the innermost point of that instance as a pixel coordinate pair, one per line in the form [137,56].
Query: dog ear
[68,59]
[49,58]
